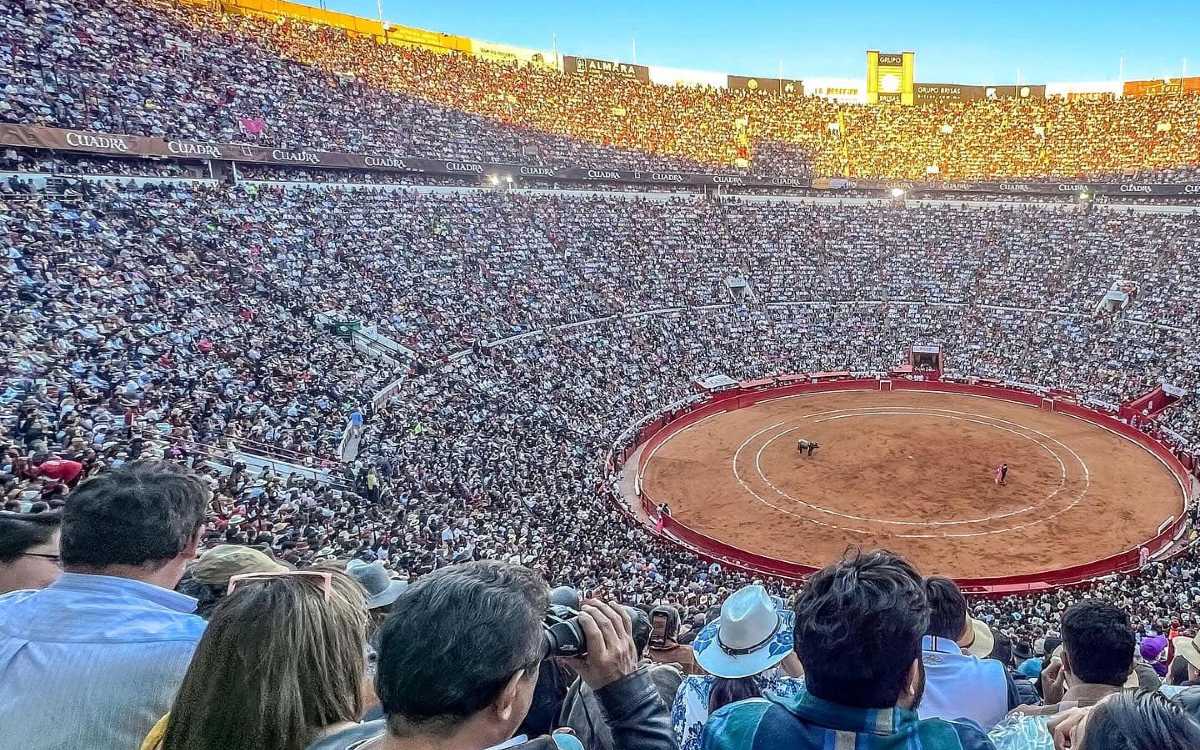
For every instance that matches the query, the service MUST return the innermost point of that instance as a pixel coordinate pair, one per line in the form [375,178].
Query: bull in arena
[807,445]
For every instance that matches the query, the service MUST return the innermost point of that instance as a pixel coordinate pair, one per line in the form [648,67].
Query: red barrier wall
[662,427]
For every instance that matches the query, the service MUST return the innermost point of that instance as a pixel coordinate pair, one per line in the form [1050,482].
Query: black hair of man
[1050,644]
[1002,649]
[144,512]
[1140,720]
[858,629]
[1099,642]
[453,642]
[22,531]
[947,608]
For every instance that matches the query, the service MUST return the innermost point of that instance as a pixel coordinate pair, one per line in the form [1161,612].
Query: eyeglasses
[52,558]
[325,577]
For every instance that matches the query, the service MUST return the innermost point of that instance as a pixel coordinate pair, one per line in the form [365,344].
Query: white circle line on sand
[749,490]
[995,516]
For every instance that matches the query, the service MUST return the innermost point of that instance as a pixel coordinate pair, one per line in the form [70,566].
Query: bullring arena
[910,465]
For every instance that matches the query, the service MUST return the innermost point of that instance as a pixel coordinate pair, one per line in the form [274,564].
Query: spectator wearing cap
[664,648]
[60,470]
[958,685]
[1151,662]
[382,590]
[94,659]
[381,587]
[858,630]
[280,664]
[459,658]
[747,653]
[211,572]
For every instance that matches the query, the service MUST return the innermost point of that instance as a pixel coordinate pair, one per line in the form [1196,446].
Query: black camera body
[561,630]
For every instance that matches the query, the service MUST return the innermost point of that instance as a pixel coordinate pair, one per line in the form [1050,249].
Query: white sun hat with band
[1188,648]
[754,633]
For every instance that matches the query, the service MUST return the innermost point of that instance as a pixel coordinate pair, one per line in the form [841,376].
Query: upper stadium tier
[152,67]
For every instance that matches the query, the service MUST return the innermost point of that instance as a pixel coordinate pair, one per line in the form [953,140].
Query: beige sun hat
[978,640]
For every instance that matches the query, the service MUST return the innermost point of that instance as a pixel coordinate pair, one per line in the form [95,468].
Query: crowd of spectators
[389,590]
[192,71]
[101,649]
[49,162]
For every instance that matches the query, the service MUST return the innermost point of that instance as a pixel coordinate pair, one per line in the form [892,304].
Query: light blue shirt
[91,661]
[961,686]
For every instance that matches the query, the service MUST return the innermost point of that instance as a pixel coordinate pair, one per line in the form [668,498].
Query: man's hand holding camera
[611,653]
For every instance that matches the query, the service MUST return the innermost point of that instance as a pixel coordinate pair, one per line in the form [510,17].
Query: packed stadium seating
[193,320]
[208,336]
[157,67]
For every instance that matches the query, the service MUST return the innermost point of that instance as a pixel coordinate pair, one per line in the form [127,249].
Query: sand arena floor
[913,472]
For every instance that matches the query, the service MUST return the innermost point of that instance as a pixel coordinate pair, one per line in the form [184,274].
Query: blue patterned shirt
[91,661]
[805,722]
[689,710]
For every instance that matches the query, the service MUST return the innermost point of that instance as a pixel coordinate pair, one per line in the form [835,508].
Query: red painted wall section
[661,428]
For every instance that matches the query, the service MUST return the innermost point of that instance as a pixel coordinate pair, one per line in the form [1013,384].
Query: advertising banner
[1015,92]
[508,54]
[847,90]
[936,93]
[1162,86]
[1148,189]
[110,144]
[890,77]
[783,86]
[590,66]
[139,146]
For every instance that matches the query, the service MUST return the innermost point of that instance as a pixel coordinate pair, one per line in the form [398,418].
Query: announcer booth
[926,359]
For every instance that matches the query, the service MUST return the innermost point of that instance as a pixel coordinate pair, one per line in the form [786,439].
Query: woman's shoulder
[695,688]
[782,685]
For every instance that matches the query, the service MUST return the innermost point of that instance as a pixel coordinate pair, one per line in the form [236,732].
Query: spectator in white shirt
[958,685]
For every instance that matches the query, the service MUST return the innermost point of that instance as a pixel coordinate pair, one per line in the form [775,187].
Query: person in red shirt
[60,469]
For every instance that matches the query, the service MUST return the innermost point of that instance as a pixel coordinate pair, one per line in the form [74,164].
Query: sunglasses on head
[325,577]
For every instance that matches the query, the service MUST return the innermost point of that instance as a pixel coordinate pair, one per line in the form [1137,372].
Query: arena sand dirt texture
[913,472]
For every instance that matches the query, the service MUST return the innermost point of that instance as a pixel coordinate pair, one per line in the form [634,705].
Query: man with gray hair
[460,656]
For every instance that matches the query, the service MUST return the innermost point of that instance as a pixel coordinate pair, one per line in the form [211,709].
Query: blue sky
[972,41]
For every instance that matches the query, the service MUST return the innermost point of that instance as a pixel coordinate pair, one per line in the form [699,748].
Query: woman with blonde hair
[280,665]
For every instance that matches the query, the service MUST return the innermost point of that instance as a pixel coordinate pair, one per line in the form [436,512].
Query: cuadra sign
[57,139]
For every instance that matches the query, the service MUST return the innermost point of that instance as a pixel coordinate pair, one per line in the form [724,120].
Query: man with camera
[459,658]
[581,710]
